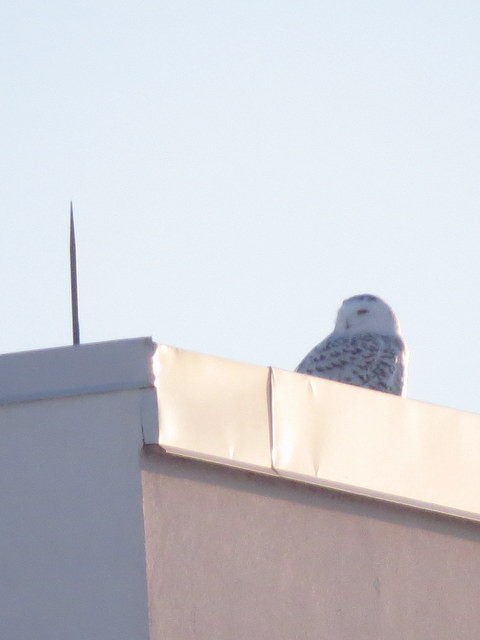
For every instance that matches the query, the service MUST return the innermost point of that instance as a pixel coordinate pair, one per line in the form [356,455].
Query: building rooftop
[149,492]
[272,421]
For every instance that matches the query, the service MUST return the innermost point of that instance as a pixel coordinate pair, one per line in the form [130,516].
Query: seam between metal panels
[271,434]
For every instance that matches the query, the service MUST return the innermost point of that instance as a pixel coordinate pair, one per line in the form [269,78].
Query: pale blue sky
[238,169]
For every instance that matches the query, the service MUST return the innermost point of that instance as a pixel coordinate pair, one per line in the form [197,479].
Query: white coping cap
[318,431]
[76,370]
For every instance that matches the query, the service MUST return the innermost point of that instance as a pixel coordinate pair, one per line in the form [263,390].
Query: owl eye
[361,312]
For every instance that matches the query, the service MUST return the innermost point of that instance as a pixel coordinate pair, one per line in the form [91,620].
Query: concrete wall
[72,557]
[233,554]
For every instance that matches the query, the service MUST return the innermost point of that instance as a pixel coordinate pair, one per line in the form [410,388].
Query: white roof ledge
[271,421]
[316,431]
[76,370]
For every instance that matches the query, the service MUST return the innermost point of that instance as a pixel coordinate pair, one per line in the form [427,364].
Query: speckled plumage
[365,349]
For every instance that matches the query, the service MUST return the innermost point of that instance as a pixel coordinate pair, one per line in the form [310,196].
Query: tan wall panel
[233,555]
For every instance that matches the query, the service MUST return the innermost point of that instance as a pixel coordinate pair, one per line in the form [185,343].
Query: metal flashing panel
[375,444]
[76,370]
[213,409]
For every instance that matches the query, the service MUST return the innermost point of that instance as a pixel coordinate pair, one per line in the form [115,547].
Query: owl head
[366,314]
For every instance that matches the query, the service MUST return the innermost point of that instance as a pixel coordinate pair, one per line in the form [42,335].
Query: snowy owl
[365,348]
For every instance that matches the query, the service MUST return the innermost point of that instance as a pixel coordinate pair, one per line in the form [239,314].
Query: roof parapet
[317,431]
[76,370]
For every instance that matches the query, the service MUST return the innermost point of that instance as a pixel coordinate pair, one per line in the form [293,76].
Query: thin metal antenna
[73,280]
